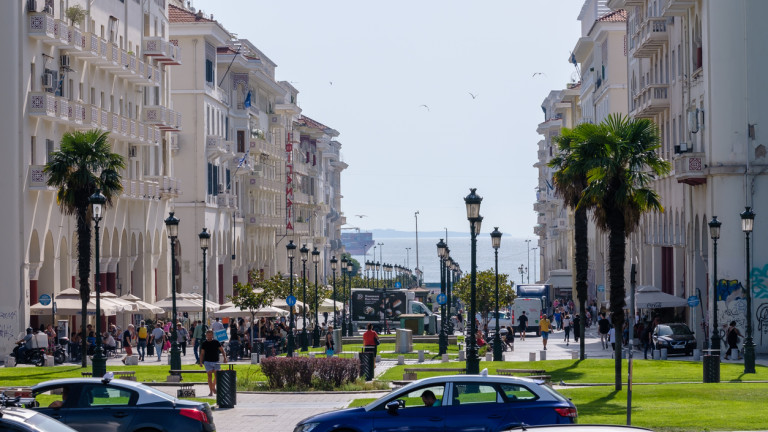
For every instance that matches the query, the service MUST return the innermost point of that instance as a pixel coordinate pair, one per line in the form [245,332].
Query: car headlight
[663,342]
[306,427]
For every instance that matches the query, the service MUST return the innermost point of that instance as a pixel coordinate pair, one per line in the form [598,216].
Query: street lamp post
[443,338]
[350,268]
[378,268]
[304,251]
[535,272]
[449,294]
[172,223]
[528,243]
[747,221]
[99,365]
[714,233]
[522,271]
[496,243]
[472,202]
[334,264]
[205,243]
[291,249]
[344,289]
[316,331]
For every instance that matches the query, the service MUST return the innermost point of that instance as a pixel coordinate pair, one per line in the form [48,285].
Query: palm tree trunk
[582,263]
[83,271]
[616,260]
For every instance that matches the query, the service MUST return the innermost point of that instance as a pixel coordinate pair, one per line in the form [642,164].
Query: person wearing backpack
[603,327]
[141,345]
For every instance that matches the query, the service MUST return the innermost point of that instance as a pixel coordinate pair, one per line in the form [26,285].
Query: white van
[532,308]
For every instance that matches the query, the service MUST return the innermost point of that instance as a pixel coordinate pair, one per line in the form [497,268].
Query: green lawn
[670,408]
[28,376]
[602,370]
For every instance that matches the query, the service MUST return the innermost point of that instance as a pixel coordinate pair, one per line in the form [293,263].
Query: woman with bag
[329,349]
[732,336]
[370,340]
[567,323]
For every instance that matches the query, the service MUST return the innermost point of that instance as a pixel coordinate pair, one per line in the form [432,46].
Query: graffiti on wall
[731,305]
[760,282]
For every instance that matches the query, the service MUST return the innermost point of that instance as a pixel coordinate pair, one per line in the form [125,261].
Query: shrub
[304,372]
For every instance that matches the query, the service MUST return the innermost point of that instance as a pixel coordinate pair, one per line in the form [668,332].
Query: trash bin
[226,387]
[711,362]
[367,364]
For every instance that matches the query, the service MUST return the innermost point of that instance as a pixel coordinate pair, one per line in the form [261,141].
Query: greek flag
[241,162]
[247,102]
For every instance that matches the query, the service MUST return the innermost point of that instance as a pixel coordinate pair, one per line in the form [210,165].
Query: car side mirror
[393,406]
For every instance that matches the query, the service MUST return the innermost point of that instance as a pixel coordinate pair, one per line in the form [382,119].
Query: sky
[367,68]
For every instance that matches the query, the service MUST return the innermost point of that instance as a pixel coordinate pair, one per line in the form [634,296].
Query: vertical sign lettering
[288,184]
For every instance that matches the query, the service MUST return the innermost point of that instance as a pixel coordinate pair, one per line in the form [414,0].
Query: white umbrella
[265,312]
[650,297]
[281,304]
[112,300]
[329,305]
[184,305]
[142,307]
[68,302]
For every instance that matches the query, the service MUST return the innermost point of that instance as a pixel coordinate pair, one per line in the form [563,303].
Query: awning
[650,297]
[560,279]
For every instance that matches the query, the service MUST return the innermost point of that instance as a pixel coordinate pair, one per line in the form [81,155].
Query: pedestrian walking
[544,328]
[158,339]
[567,328]
[523,325]
[209,357]
[612,338]
[732,336]
[329,348]
[217,325]
[198,334]
[558,319]
[649,336]
[141,345]
[182,335]
[603,327]
[128,337]
[576,327]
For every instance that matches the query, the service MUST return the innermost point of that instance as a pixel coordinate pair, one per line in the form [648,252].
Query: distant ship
[357,243]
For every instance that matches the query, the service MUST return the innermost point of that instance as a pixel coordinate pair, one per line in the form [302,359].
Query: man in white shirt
[158,338]
[217,325]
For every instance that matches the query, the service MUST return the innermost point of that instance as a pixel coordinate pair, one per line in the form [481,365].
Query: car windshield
[680,330]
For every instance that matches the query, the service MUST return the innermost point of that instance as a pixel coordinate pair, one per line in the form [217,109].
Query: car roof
[69,381]
[38,420]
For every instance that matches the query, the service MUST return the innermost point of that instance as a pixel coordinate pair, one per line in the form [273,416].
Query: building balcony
[170,187]
[676,7]
[551,124]
[651,100]
[48,106]
[215,146]
[289,108]
[129,66]
[75,41]
[113,58]
[254,220]
[651,36]
[161,117]
[690,169]
[92,116]
[162,50]
[37,179]
[76,113]
[141,189]
[300,197]
[43,26]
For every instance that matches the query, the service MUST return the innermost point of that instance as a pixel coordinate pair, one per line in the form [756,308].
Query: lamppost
[528,243]
[449,263]
[334,263]
[350,268]
[522,269]
[496,243]
[99,365]
[747,221]
[316,331]
[304,251]
[472,202]
[205,243]
[378,268]
[535,273]
[344,289]
[172,223]
[714,233]
[442,249]
[291,249]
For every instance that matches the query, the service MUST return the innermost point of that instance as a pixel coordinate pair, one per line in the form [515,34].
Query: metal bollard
[542,355]
[531,356]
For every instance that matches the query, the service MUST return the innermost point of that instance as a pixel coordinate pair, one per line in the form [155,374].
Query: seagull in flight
[361,216]
[422,105]
[474,96]
[331,82]
[538,73]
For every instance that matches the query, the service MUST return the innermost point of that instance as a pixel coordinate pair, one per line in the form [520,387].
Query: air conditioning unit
[65,61]
[31,5]
[48,80]
[133,151]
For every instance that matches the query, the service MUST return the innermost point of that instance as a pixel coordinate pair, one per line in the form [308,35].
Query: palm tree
[619,192]
[83,164]
[577,148]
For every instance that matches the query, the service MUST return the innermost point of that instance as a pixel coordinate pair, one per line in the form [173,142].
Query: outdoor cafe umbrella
[184,305]
[281,304]
[142,307]
[68,302]
[650,297]
[329,305]
[112,300]
[265,312]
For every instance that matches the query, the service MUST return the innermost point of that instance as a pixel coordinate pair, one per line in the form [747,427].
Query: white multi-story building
[108,72]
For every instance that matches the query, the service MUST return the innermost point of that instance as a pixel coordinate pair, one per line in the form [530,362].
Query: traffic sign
[45,299]
[290,300]
[693,301]
[601,288]
[441,299]
[398,285]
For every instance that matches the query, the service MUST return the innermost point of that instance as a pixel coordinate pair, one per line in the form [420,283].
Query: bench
[176,376]
[126,375]
[186,391]
[510,372]
[410,373]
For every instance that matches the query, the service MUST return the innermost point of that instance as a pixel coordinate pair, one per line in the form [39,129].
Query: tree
[323,292]
[257,293]
[618,190]
[83,164]
[576,150]
[485,292]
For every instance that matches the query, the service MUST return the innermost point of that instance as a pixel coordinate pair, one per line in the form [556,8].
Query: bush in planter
[304,372]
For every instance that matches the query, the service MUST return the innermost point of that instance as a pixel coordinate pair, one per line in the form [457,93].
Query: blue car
[452,403]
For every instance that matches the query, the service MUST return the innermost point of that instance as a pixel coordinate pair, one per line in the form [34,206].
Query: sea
[512,253]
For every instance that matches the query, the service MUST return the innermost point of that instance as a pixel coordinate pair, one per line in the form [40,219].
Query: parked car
[104,405]
[676,338]
[26,420]
[582,428]
[505,320]
[462,403]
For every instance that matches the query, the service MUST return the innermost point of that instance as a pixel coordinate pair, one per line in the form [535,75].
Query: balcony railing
[676,7]
[651,100]
[690,169]
[37,179]
[162,50]
[46,28]
[49,106]
[651,37]
[161,117]
[75,40]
